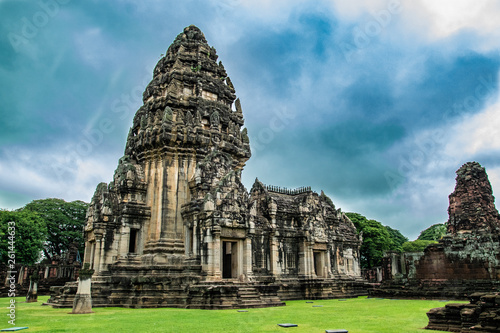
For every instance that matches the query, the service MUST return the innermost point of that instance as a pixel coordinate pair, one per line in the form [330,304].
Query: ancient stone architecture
[482,314]
[467,259]
[176,227]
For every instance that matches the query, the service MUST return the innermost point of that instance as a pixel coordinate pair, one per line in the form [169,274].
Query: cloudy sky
[376,102]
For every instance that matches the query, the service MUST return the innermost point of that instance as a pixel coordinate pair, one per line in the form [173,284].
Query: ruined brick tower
[176,227]
[467,259]
[472,205]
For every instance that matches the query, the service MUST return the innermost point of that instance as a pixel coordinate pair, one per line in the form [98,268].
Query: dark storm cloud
[330,101]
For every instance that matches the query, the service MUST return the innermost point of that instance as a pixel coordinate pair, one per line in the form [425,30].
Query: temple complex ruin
[467,259]
[177,228]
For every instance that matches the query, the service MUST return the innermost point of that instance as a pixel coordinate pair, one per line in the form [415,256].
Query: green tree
[434,232]
[398,239]
[64,221]
[417,245]
[376,240]
[28,237]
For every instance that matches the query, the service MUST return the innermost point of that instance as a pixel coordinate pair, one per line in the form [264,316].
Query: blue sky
[377,103]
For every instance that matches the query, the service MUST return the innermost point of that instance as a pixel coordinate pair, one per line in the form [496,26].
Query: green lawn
[355,315]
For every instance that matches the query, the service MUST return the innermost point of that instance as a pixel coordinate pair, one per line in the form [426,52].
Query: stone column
[275,266]
[247,257]
[99,254]
[309,260]
[20,276]
[216,250]
[83,298]
[33,290]
[195,239]
[328,265]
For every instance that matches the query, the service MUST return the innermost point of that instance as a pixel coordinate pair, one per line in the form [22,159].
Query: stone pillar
[32,292]
[98,255]
[20,276]
[306,260]
[83,299]
[275,266]
[195,239]
[91,258]
[247,257]
[328,265]
[216,250]
[124,241]
[187,237]
[214,255]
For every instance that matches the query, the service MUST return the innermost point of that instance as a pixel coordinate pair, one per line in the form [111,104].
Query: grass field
[355,315]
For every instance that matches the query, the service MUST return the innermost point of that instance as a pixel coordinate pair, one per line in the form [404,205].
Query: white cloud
[447,17]
[482,132]
[50,174]
[436,20]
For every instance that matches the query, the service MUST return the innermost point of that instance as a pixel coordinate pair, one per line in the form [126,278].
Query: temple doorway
[230,260]
[132,245]
[319,263]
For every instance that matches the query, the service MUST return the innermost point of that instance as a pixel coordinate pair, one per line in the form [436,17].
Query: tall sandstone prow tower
[187,114]
[176,227]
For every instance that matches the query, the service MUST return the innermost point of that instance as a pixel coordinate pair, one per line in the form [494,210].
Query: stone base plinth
[82,304]
[31,298]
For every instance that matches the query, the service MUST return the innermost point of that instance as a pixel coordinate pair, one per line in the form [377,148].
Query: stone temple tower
[187,114]
[176,226]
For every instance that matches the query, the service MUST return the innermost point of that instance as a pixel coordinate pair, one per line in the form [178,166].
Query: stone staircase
[249,297]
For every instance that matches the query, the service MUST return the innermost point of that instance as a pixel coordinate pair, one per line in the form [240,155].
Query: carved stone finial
[230,84]
[237,104]
[244,136]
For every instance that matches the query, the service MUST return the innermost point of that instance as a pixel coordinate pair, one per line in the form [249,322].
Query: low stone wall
[53,274]
[482,314]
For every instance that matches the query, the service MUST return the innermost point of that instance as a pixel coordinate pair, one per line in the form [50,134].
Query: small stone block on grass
[288,325]
[13,329]
[242,310]
[336,331]
[317,306]
[309,302]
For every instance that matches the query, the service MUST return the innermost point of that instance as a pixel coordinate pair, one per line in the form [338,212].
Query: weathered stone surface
[472,205]
[82,304]
[176,227]
[32,292]
[482,314]
[464,261]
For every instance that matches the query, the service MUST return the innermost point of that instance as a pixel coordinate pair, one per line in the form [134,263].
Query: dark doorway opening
[132,245]
[319,263]
[229,260]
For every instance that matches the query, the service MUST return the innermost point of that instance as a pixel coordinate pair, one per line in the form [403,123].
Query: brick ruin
[467,259]
[177,228]
[482,314]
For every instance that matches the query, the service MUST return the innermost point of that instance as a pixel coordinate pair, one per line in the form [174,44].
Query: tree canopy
[64,222]
[398,239]
[377,239]
[434,232]
[27,239]
[418,245]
